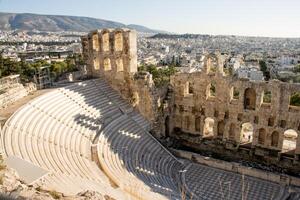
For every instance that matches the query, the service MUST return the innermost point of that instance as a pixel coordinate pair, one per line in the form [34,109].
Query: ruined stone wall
[213,106]
[109,51]
[12,90]
[112,55]
[211,110]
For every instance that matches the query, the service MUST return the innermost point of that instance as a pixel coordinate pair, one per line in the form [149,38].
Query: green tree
[296,79]
[264,69]
[297,69]
[27,70]
[295,99]
[161,76]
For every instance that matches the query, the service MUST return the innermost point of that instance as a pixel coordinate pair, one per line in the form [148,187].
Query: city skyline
[216,17]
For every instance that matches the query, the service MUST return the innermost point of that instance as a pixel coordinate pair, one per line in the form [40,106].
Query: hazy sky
[279,18]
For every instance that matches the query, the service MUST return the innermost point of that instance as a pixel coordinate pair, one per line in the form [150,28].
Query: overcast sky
[278,18]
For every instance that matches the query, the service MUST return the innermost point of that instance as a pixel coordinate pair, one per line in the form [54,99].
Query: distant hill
[28,21]
[178,36]
[206,36]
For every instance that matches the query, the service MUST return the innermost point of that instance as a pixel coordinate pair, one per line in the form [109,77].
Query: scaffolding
[42,78]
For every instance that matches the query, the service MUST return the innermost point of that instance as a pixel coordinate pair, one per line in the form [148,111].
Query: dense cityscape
[243,56]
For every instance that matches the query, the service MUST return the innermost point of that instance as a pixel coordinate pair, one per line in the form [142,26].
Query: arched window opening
[246,133]
[232,131]
[119,41]
[208,129]
[187,122]
[221,126]
[216,114]
[226,116]
[106,44]
[250,99]
[282,123]
[181,108]
[240,117]
[289,140]
[107,64]
[262,136]
[267,97]
[212,64]
[235,94]
[202,111]
[208,64]
[271,121]
[197,123]
[191,89]
[295,99]
[211,90]
[256,119]
[188,88]
[274,139]
[95,42]
[119,63]
[96,63]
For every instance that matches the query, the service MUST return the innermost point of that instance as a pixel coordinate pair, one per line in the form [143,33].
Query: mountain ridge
[55,23]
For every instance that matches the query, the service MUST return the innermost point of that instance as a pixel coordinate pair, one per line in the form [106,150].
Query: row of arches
[104,39]
[262,134]
[250,96]
[107,64]
[289,139]
[247,133]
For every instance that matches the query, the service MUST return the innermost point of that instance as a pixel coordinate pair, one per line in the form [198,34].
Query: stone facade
[112,52]
[112,55]
[12,90]
[236,113]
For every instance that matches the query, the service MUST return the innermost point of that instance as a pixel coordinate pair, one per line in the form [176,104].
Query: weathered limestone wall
[12,90]
[112,52]
[215,107]
[112,55]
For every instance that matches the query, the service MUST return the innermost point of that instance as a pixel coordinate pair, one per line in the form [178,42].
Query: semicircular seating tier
[55,132]
[137,162]
[220,184]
